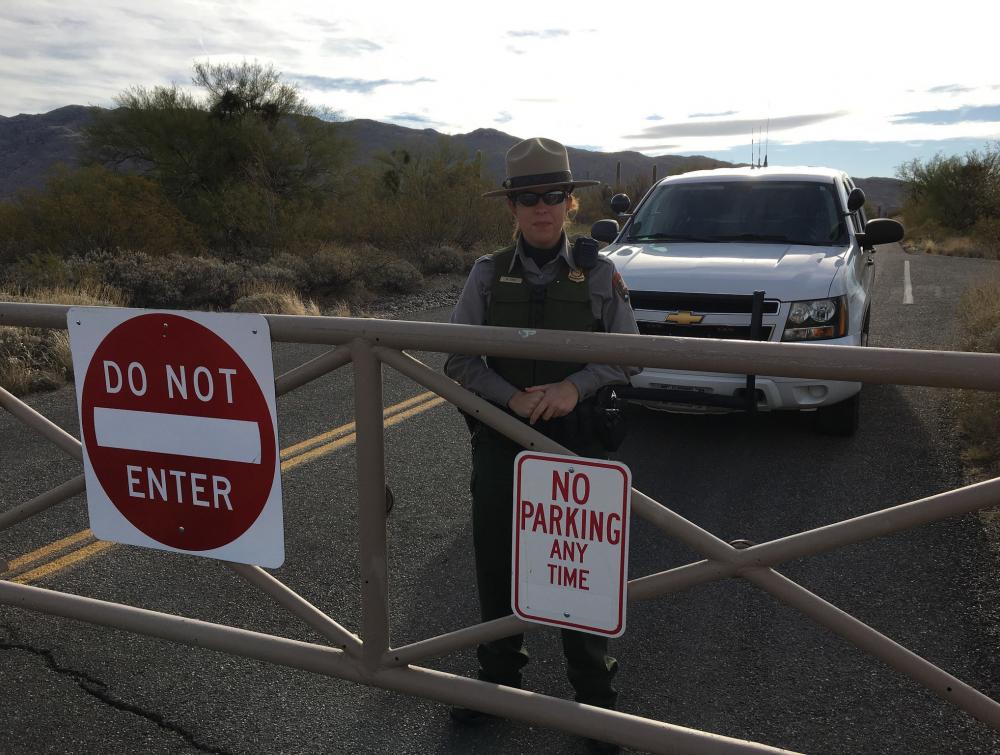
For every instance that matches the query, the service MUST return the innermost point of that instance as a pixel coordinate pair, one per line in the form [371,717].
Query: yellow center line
[323,450]
[61,563]
[349,427]
[308,450]
[47,550]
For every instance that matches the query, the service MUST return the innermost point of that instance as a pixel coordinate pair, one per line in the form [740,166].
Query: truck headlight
[816,319]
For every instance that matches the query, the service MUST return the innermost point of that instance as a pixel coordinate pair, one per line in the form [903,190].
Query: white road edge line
[907,286]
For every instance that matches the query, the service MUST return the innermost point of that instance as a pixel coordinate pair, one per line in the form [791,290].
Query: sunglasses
[530,198]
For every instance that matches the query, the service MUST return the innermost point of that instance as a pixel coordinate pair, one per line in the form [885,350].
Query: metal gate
[369,658]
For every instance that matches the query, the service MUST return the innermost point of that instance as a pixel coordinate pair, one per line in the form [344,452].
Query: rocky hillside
[30,145]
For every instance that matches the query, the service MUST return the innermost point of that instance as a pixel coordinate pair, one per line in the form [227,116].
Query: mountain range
[30,145]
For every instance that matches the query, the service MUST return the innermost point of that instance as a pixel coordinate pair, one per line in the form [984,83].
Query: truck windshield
[791,212]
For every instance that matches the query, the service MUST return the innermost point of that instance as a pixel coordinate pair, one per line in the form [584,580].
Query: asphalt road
[725,657]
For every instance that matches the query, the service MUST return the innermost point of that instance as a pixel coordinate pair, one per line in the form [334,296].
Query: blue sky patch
[977,113]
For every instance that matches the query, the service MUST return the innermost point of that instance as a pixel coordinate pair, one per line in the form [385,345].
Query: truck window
[797,212]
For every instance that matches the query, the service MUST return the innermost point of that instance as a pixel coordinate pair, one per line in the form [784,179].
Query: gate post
[370,453]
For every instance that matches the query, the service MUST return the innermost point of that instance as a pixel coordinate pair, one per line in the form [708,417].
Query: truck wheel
[840,419]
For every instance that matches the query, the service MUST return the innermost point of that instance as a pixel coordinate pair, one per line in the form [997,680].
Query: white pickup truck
[699,245]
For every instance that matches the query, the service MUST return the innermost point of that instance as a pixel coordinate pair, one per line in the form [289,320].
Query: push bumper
[700,393]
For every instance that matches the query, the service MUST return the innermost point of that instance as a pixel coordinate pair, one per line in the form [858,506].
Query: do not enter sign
[570,543]
[177,416]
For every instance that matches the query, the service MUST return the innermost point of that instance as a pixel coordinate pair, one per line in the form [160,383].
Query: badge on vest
[509,279]
[577,276]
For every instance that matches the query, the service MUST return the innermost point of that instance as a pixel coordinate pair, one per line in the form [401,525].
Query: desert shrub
[269,298]
[595,204]
[38,270]
[987,232]
[332,266]
[92,208]
[295,264]
[243,155]
[440,259]
[277,275]
[411,201]
[174,281]
[954,192]
[391,274]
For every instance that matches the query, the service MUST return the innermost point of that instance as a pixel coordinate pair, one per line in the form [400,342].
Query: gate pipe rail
[659,515]
[368,343]
[941,369]
[941,683]
[628,730]
[741,563]
[41,424]
[299,606]
[46,500]
[307,372]
[370,450]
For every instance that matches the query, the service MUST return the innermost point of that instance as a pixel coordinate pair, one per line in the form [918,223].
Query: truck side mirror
[604,230]
[620,203]
[855,200]
[880,231]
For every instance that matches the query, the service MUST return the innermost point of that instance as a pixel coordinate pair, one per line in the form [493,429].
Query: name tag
[508,279]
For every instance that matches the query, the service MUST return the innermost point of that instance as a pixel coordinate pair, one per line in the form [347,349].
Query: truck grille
[668,301]
[733,332]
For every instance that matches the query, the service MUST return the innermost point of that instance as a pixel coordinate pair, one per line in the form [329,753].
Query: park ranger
[539,281]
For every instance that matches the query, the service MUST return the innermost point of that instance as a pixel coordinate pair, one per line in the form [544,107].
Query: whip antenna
[767,139]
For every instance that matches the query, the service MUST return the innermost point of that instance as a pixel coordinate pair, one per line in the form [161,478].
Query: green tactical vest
[563,304]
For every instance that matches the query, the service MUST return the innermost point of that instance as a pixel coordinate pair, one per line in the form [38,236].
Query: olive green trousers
[589,667]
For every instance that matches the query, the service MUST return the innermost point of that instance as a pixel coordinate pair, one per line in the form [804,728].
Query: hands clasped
[545,401]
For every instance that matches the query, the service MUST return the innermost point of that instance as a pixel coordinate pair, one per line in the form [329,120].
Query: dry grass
[34,359]
[340,308]
[953,246]
[979,412]
[273,299]
[930,237]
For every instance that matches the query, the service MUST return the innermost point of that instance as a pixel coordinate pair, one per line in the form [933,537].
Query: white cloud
[563,81]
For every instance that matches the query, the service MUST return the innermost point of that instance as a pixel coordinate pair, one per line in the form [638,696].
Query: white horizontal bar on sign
[181,434]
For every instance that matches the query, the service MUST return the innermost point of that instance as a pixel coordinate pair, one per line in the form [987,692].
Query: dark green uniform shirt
[608,304]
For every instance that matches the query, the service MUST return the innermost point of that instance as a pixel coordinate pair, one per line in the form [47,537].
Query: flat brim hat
[536,164]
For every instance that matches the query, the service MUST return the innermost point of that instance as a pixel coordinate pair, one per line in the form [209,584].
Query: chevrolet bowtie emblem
[685,318]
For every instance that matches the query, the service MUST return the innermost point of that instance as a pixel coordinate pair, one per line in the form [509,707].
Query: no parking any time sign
[178,421]
[570,543]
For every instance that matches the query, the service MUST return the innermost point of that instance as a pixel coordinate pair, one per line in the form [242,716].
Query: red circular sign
[161,381]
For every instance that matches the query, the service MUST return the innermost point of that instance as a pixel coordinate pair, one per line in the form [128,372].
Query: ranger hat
[536,164]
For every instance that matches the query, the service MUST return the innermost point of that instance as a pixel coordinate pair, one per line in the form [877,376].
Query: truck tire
[840,419]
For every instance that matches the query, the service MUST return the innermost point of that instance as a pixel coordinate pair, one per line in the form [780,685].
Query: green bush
[987,232]
[92,208]
[411,201]
[953,192]
[244,157]
[38,270]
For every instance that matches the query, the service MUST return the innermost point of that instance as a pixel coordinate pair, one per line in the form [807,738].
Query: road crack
[99,690]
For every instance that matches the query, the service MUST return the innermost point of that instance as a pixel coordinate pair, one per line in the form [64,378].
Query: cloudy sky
[859,86]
